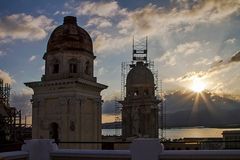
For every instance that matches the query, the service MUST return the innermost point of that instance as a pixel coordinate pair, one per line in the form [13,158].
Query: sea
[177,133]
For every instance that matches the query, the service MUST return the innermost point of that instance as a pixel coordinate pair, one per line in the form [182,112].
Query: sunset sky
[187,40]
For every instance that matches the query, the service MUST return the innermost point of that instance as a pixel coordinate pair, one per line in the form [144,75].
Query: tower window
[145,93]
[73,68]
[87,68]
[135,93]
[55,68]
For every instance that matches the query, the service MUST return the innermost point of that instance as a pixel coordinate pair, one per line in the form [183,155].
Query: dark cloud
[222,64]
[185,108]
[109,107]
[235,57]
[209,110]
[184,100]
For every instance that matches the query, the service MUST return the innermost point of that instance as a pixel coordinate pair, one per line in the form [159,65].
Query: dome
[140,76]
[69,36]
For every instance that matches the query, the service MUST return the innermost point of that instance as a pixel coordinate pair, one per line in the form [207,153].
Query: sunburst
[198,85]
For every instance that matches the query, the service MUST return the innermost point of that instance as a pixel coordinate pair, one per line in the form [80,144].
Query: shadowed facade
[140,106]
[66,104]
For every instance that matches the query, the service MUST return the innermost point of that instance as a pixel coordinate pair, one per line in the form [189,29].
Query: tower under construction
[140,111]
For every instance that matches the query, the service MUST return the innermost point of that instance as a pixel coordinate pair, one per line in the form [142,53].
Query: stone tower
[66,104]
[140,106]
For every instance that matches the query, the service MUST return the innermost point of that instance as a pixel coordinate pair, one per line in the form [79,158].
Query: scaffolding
[4,93]
[140,50]
[125,68]
[11,128]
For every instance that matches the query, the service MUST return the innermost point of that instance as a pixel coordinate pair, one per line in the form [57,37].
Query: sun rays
[199,94]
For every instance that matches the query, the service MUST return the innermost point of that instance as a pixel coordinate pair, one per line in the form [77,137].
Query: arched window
[73,66]
[55,66]
[87,68]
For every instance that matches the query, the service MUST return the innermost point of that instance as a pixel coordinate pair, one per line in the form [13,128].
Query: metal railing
[168,145]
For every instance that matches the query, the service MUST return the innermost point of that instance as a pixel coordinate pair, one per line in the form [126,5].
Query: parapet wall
[140,149]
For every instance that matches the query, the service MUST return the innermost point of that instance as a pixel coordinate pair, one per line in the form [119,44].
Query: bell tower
[66,104]
[140,105]
[69,53]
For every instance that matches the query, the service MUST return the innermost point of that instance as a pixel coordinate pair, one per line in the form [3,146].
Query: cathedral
[66,105]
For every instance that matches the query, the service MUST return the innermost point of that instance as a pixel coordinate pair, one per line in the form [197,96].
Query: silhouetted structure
[140,105]
[11,128]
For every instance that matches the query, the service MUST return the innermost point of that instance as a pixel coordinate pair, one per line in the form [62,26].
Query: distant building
[66,104]
[140,106]
[206,143]
[232,139]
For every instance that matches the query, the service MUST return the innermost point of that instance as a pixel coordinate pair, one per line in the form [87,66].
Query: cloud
[222,78]
[168,80]
[4,41]
[99,22]
[101,71]
[32,58]
[62,13]
[26,91]
[102,40]
[170,57]
[188,48]
[23,26]
[180,17]
[220,64]
[190,75]
[108,118]
[6,77]
[230,41]
[108,107]
[178,32]
[103,9]
[2,53]
[218,67]
[203,61]
[42,68]
[207,61]
[227,76]
[148,19]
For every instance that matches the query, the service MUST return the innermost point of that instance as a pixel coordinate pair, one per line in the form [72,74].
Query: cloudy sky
[188,39]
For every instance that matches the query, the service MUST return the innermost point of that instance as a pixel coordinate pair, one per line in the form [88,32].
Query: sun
[198,85]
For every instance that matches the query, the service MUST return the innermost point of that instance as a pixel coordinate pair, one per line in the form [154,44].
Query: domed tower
[69,53]
[66,104]
[140,106]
